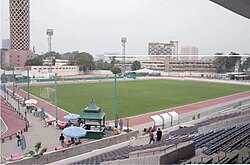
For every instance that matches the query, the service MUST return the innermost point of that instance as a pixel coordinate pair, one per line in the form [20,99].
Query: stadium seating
[226,140]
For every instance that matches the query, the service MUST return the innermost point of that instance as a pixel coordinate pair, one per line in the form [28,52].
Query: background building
[19,32]
[6,44]
[189,50]
[157,48]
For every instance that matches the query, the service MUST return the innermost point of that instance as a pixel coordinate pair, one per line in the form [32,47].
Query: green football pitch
[136,97]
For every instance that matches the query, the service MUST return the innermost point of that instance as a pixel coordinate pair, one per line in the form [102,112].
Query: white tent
[167,119]
[144,71]
[175,118]
[158,121]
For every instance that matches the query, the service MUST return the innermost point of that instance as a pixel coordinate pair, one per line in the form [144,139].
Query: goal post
[48,93]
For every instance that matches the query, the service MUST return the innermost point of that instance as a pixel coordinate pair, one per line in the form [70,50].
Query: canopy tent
[158,121]
[175,118]
[167,119]
[143,71]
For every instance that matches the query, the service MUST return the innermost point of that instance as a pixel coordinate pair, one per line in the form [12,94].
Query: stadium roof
[241,7]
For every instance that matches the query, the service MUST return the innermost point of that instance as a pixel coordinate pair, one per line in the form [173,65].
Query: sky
[96,26]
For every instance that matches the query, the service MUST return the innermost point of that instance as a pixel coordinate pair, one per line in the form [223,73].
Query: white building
[58,62]
[49,71]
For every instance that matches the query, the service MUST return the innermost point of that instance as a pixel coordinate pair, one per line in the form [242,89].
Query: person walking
[61,139]
[151,137]
[158,135]
[18,136]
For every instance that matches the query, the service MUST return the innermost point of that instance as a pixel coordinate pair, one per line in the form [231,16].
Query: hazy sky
[96,26]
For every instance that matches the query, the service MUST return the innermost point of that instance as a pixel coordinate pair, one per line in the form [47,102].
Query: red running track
[11,119]
[48,108]
[144,118]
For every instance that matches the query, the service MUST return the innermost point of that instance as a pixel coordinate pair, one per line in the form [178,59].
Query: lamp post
[4,80]
[28,77]
[56,99]
[13,79]
[115,70]
[115,112]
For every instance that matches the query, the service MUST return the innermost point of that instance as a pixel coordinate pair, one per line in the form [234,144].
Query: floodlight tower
[49,33]
[123,40]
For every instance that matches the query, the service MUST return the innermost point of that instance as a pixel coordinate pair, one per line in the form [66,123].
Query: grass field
[137,97]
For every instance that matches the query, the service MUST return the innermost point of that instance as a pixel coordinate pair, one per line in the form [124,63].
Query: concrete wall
[76,150]
[172,155]
[180,153]
[148,160]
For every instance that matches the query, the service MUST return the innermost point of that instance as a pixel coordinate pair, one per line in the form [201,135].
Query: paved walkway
[36,132]
[11,119]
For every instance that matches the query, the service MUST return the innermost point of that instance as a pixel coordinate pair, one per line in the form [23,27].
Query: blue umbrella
[71,116]
[74,132]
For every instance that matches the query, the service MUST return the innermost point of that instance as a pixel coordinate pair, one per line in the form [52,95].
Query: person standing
[151,137]
[158,135]
[61,139]
[26,125]
[18,138]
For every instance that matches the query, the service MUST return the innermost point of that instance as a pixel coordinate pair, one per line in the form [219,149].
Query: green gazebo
[93,119]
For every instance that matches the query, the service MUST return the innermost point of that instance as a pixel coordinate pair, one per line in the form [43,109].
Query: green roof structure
[92,112]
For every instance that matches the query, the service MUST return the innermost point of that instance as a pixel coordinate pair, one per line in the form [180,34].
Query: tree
[85,61]
[37,151]
[246,64]
[225,64]
[136,65]
[116,70]
[220,63]
[37,61]
[70,56]
[52,54]
[231,61]
[101,65]
[113,60]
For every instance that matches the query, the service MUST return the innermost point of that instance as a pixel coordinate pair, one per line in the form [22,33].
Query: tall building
[19,32]
[157,48]
[189,50]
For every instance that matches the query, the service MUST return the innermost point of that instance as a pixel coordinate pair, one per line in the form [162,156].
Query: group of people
[69,123]
[152,137]
[70,142]
[21,140]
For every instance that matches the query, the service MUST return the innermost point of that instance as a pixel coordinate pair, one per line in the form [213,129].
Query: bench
[15,156]
[61,125]
[67,144]
[59,148]
[49,122]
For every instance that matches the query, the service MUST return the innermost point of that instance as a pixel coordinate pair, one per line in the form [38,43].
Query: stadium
[201,122]
[169,108]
